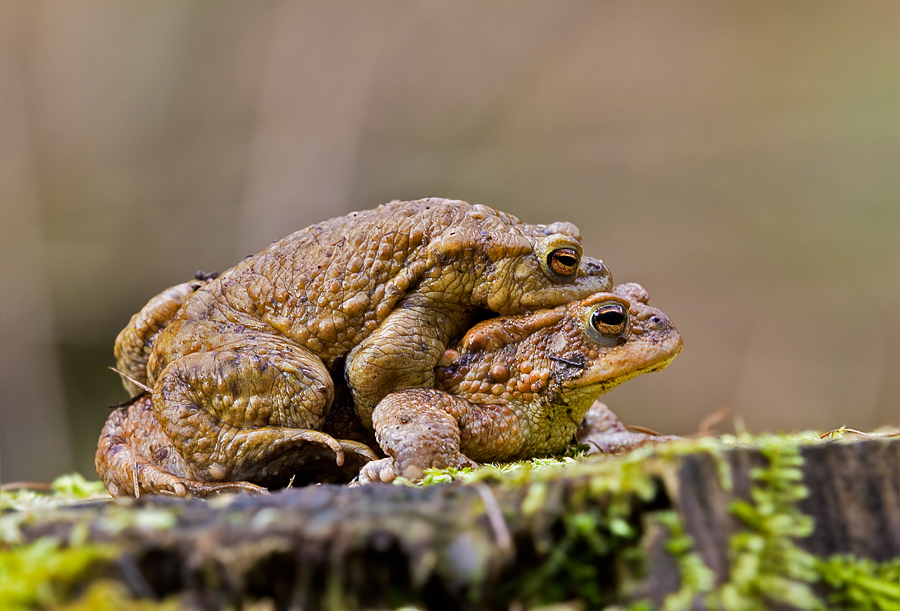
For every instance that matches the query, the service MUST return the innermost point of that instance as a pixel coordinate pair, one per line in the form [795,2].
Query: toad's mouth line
[600,386]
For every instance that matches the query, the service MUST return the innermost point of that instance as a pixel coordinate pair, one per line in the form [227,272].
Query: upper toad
[240,366]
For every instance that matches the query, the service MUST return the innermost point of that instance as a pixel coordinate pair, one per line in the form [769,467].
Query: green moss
[511,473]
[647,459]
[63,575]
[573,568]
[598,528]
[696,578]
[74,486]
[860,584]
[578,560]
[595,532]
[43,574]
[48,574]
[108,595]
[766,565]
[65,489]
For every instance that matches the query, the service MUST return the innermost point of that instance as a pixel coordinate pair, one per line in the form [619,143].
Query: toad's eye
[563,261]
[610,319]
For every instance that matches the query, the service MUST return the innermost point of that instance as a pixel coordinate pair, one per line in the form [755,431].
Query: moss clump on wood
[44,574]
[860,584]
[695,577]
[766,565]
[64,490]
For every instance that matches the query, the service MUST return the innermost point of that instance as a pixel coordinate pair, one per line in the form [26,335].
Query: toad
[511,388]
[519,387]
[238,368]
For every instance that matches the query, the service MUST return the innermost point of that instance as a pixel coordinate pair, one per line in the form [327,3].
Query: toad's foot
[605,433]
[129,474]
[378,471]
[245,452]
[386,470]
[358,450]
[418,430]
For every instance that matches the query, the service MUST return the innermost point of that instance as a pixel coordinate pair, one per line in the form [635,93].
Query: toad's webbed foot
[246,450]
[256,452]
[604,433]
[134,457]
[130,474]
[151,479]
[418,430]
[377,472]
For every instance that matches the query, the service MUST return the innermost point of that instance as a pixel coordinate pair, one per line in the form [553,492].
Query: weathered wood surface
[853,500]
[562,535]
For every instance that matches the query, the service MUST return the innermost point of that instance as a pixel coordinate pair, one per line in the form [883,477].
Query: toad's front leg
[240,411]
[401,353]
[424,428]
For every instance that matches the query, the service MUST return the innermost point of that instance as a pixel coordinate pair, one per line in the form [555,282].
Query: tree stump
[679,526]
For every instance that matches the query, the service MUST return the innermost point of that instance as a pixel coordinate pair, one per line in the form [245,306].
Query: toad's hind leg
[134,457]
[229,412]
[127,473]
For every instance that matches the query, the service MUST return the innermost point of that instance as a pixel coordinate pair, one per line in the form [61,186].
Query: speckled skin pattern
[239,368]
[518,387]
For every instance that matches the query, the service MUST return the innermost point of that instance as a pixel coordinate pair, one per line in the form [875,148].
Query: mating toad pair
[354,347]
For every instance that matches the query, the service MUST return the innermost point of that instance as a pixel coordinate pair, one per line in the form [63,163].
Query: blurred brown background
[741,160]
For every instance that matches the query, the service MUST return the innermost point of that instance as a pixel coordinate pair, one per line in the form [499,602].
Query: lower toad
[518,387]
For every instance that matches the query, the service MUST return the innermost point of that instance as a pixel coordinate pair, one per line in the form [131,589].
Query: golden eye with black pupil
[610,319]
[563,261]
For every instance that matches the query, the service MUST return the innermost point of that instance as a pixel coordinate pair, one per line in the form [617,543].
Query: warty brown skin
[240,375]
[518,387]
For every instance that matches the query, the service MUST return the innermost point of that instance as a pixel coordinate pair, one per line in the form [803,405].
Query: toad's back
[329,285]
